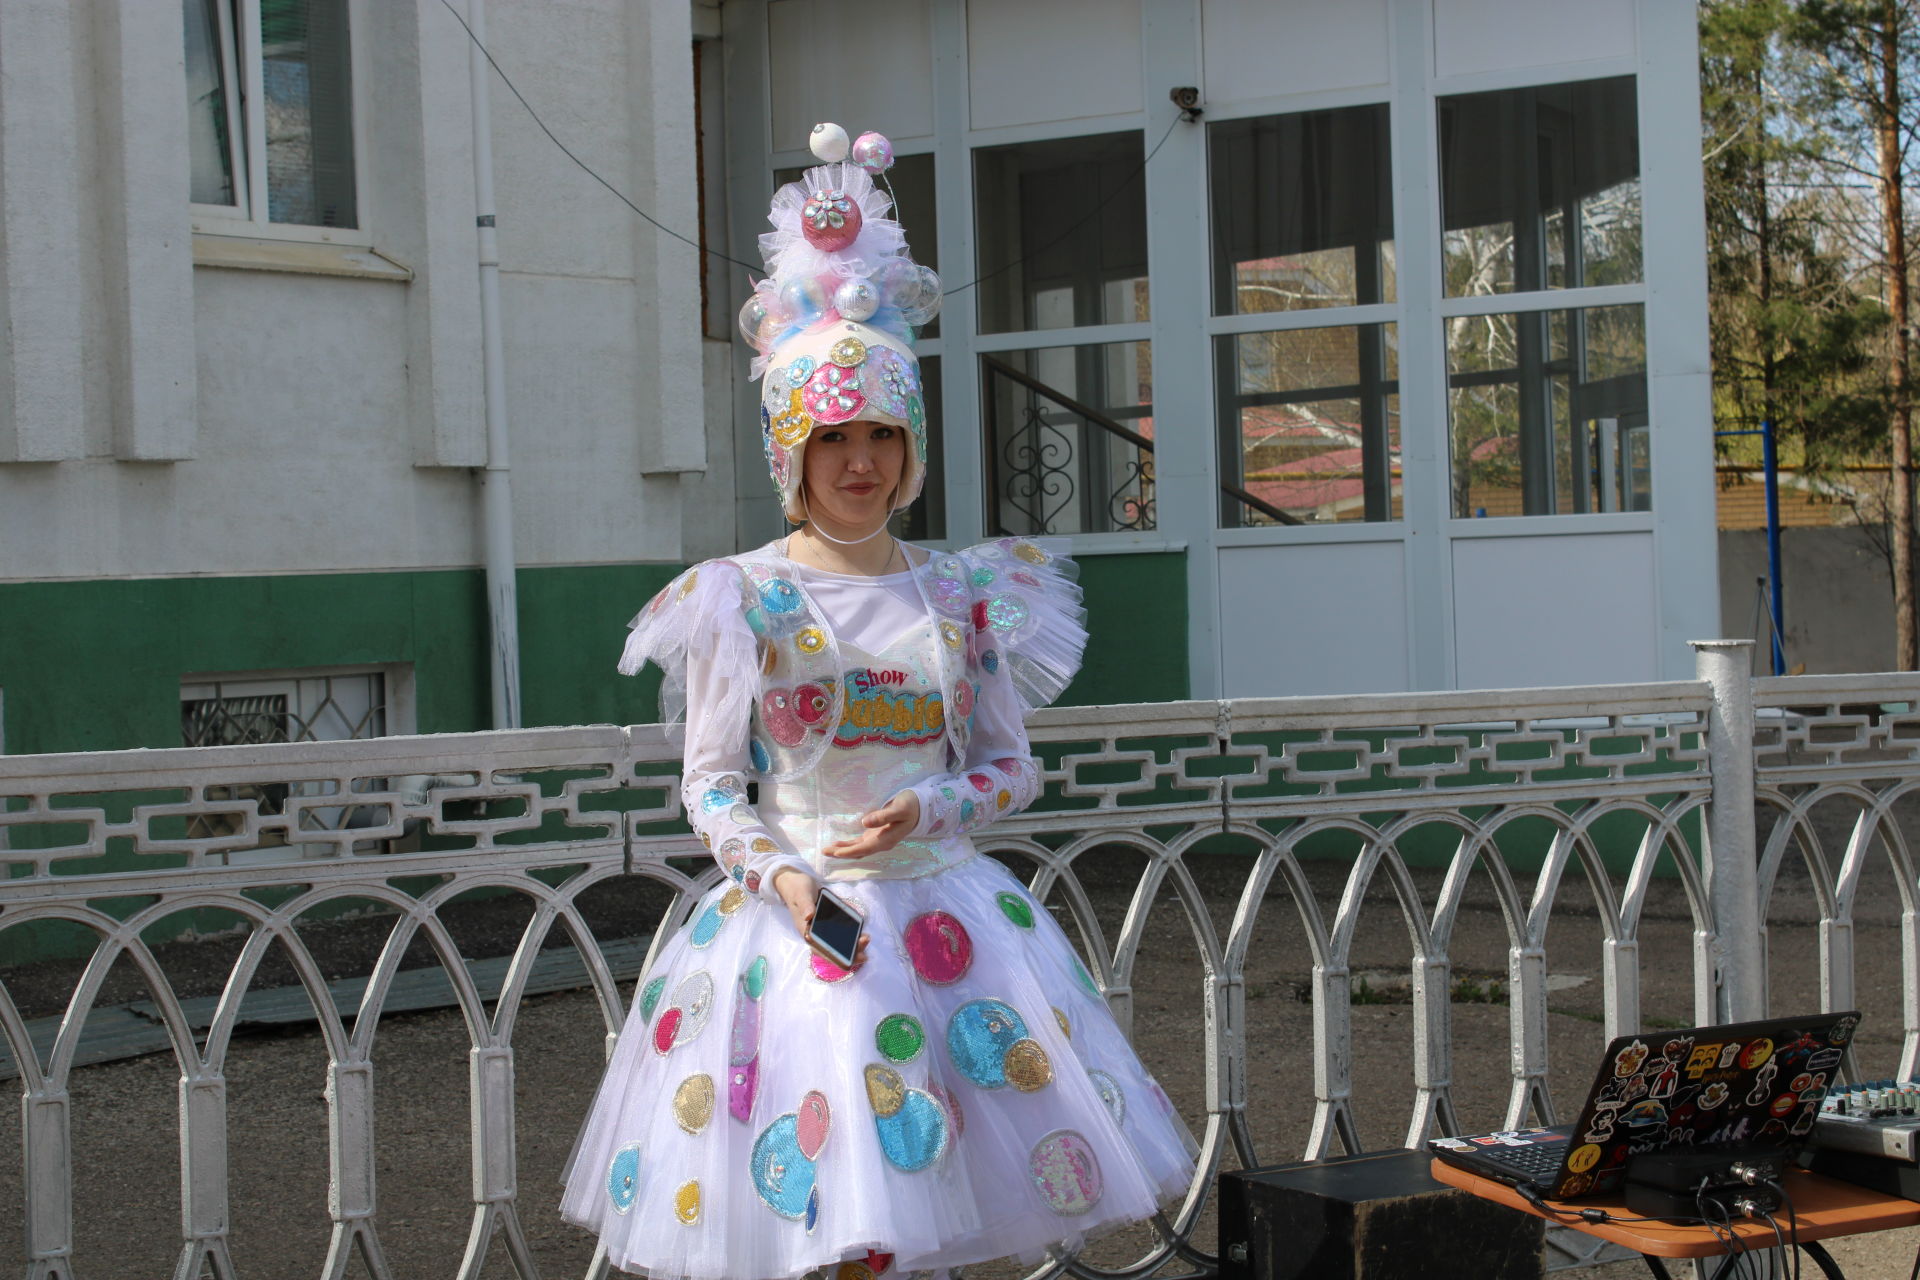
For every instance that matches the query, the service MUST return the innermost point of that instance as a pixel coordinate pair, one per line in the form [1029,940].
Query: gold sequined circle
[1066,1027]
[1027,1066]
[810,640]
[769,659]
[951,635]
[686,1203]
[1030,553]
[854,1271]
[693,1103]
[686,583]
[848,352]
[1004,799]
[793,425]
[886,1091]
[732,900]
[762,844]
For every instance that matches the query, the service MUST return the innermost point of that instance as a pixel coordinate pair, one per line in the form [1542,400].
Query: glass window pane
[209,126]
[1549,412]
[1069,439]
[911,182]
[1540,187]
[1302,211]
[1061,233]
[309,112]
[1309,425]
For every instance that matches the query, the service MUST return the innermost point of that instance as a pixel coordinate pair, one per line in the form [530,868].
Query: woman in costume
[962,1091]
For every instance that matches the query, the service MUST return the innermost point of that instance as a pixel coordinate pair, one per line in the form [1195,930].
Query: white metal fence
[549,813]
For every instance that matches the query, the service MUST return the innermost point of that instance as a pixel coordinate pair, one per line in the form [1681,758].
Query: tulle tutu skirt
[964,1095]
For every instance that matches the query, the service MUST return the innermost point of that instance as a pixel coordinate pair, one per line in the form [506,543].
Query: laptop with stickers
[1745,1086]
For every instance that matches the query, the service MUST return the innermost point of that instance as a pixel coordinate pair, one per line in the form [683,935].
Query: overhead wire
[621,196]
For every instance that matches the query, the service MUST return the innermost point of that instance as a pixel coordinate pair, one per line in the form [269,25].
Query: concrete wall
[1838,597]
[179,398]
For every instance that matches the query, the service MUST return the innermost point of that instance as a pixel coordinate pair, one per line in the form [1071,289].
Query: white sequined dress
[965,1094]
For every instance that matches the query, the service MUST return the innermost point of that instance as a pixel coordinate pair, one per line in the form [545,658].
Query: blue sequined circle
[799,371]
[978,1037]
[782,1174]
[780,596]
[1005,613]
[1109,1090]
[914,1136]
[707,925]
[990,661]
[716,800]
[623,1177]
[813,1209]
[650,996]
[757,621]
[966,811]
[757,752]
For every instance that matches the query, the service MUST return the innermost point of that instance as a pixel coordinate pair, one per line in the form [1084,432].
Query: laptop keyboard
[1539,1163]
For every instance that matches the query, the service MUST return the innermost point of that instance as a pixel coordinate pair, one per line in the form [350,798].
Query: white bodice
[891,734]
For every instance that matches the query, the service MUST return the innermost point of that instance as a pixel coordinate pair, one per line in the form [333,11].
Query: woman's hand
[801,893]
[885,827]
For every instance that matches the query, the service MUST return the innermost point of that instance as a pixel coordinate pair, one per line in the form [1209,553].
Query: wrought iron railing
[1514,788]
[1052,465]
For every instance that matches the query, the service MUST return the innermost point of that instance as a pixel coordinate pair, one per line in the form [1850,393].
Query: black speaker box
[1375,1216]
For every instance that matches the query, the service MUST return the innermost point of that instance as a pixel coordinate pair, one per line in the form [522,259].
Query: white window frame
[241,58]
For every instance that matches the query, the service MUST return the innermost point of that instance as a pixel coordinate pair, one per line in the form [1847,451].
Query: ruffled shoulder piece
[702,611]
[1026,596]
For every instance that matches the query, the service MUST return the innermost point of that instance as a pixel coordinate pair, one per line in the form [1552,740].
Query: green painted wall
[1137,617]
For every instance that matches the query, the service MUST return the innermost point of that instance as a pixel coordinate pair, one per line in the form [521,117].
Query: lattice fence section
[550,813]
[1837,768]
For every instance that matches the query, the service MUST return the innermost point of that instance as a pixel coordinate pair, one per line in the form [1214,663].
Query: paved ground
[124,1114]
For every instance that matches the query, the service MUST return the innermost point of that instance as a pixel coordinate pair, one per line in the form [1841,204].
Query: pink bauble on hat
[833,322]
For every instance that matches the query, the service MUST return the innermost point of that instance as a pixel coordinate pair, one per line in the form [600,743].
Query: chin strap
[808,522]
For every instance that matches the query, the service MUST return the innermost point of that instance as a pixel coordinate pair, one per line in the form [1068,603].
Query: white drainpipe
[496,480]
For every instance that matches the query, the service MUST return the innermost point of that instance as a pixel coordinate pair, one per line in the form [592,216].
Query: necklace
[787,546]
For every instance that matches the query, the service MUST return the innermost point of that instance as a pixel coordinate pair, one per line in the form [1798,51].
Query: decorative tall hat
[834,320]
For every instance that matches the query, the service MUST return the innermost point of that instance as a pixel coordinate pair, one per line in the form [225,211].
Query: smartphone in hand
[835,931]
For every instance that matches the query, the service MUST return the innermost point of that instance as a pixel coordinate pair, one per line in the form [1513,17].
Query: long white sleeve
[695,631]
[998,778]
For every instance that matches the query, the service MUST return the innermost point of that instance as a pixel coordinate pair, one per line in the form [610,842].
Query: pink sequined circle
[963,699]
[815,1118]
[980,781]
[776,712]
[1065,1172]
[810,703]
[666,1029]
[941,950]
[833,395]
[826,970]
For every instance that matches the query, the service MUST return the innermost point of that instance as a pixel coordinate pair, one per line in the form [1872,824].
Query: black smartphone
[835,932]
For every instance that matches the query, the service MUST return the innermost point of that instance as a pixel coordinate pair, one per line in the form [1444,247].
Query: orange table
[1823,1208]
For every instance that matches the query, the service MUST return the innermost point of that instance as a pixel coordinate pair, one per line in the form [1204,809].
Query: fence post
[1733,881]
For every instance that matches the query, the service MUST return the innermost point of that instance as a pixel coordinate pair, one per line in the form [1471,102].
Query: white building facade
[1385,369]
[1397,347]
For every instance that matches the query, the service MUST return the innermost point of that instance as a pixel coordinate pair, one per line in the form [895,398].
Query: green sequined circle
[982,576]
[650,997]
[757,977]
[1015,908]
[900,1037]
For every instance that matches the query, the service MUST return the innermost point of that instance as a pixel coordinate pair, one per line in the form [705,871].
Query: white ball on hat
[829,142]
